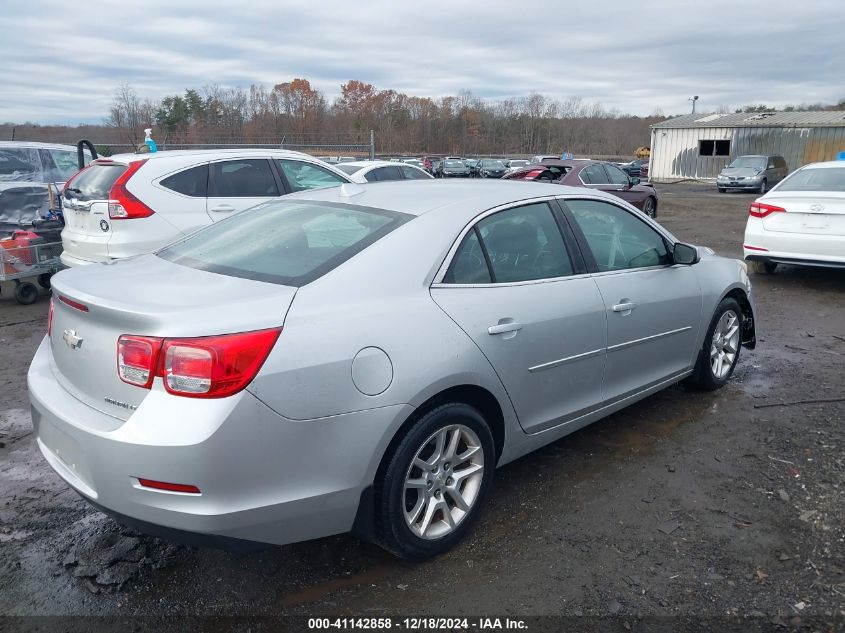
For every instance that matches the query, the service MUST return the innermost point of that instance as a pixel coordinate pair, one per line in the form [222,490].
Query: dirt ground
[686,504]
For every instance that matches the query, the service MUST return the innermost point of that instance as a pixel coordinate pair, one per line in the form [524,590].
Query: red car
[592,174]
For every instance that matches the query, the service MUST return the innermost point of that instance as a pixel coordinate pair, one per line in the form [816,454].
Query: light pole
[693,99]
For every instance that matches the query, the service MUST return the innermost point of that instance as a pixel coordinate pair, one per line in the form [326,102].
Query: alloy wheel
[725,344]
[443,481]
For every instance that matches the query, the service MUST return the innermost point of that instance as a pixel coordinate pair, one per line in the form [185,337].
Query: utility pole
[372,145]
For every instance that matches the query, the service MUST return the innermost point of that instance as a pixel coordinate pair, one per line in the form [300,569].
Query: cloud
[62,63]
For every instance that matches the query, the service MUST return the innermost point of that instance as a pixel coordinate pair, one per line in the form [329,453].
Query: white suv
[130,204]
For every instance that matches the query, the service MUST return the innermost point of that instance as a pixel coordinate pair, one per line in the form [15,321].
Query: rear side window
[289,243]
[94,182]
[19,164]
[301,175]
[384,173]
[520,244]
[191,182]
[815,179]
[414,174]
[242,178]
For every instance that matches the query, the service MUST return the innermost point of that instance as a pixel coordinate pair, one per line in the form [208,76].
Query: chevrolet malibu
[362,358]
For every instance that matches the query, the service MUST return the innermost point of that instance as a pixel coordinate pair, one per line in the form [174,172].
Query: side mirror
[685,254]
[635,181]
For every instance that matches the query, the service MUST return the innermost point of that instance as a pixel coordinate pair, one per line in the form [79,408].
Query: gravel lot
[691,504]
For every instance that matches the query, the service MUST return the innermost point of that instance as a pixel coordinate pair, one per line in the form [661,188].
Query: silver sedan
[362,358]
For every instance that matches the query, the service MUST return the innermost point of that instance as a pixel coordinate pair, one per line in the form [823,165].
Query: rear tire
[763,268]
[444,461]
[719,353]
[26,293]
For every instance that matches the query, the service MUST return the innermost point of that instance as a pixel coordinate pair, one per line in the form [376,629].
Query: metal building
[698,146]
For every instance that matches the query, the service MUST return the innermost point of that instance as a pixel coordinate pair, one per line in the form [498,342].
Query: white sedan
[363,171]
[800,221]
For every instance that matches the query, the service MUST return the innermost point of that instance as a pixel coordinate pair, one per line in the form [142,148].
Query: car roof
[418,197]
[828,164]
[35,145]
[210,154]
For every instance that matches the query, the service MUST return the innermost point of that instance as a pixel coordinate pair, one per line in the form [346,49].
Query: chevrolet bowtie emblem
[73,341]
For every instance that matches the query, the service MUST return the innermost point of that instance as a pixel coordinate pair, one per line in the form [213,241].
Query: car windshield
[348,169]
[493,164]
[453,163]
[815,179]
[750,162]
[518,163]
[284,242]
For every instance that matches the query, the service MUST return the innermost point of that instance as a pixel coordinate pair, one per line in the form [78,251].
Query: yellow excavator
[642,152]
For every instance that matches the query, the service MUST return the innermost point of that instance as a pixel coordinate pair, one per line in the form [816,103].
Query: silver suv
[752,173]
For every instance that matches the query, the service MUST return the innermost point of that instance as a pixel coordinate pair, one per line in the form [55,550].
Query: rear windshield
[818,179]
[95,182]
[285,242]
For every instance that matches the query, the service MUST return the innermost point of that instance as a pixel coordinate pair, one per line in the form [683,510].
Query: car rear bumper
[782,247]
[262,477]
[72,261]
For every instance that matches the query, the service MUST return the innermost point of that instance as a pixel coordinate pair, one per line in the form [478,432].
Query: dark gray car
[752,173]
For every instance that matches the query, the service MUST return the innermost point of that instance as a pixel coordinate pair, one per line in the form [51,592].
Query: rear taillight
[50,318]
[123,204]
[137,359]
[214,366]
[204,367]
[761,210]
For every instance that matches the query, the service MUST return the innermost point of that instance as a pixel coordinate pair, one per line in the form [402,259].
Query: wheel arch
[749,323]
[476,396]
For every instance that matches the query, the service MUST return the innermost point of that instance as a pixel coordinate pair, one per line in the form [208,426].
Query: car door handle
[503,328]
[223,208]
[626,306]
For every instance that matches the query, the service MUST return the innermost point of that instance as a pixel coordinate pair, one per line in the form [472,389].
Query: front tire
[720,352]
[435,482]
[763,187]
[650,207]
[721,189]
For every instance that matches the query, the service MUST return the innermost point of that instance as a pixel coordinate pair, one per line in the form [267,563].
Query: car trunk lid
[95,305]
[807,212]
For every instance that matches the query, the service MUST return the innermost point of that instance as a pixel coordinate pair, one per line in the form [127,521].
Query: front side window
[302,176]
[616,175]
[284,242]
[617,239]
[521,244]
[593,175]
[242,178]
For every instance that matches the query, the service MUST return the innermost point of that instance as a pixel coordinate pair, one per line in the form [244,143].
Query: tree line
[464,124]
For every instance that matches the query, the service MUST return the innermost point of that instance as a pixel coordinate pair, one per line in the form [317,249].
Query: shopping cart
[24,255]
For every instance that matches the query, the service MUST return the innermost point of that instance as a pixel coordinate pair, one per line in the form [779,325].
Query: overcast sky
[62,61]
